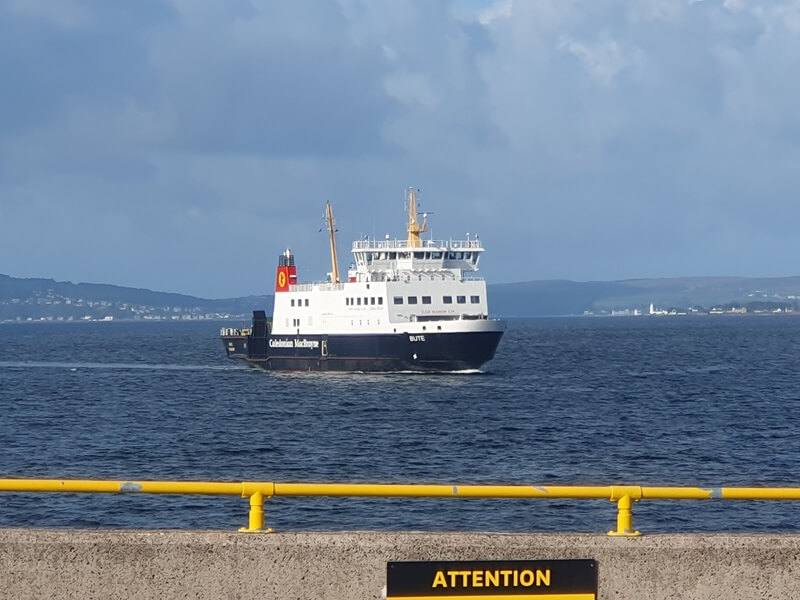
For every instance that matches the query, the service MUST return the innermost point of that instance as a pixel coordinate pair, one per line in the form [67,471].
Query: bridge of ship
[454,256]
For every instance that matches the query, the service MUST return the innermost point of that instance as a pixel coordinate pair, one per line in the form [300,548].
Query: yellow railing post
[624,496]
[256,517]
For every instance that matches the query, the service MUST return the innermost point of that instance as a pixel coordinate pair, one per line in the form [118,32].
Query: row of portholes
[445,299]
[367,301]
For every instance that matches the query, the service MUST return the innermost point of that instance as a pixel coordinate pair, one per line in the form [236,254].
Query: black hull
[438,352]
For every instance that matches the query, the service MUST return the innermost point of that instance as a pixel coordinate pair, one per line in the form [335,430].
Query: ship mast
[331,231]
[414,229]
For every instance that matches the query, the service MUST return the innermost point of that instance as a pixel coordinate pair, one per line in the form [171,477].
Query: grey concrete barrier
[37,563]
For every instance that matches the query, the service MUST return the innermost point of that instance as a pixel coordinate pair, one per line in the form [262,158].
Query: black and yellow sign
[496,579]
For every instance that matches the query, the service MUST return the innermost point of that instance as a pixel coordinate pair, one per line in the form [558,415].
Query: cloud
[603,61]
[66,14]
[600,140]
[411,88]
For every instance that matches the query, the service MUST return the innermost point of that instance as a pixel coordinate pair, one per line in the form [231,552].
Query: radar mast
[331,231]
[414,228]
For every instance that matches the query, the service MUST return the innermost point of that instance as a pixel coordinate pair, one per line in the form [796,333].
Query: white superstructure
[412,286]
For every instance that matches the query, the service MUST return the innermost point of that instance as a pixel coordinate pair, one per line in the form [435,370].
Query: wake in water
[378,376]
[75,366]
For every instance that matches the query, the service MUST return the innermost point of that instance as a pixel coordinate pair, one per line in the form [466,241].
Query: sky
[181,145]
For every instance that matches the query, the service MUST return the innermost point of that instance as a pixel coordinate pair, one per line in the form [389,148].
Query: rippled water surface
[694,401]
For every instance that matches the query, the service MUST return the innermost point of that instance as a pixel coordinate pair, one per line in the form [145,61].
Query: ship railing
[409,275]
[624,496]
[462,244]
[429,244]
[325,286]
[235,331]
[414,275]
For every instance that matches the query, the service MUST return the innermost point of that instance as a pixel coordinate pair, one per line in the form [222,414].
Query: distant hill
[560,297]
[23,299]
[47,299]
[552,298]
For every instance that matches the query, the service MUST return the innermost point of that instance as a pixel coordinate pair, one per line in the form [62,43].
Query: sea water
[689,401]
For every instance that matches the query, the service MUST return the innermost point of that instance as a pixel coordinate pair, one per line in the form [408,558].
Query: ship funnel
[287,272]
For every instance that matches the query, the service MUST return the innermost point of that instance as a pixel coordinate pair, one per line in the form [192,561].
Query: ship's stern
[235,341]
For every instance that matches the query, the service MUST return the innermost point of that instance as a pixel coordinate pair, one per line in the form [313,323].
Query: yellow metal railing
[257,492]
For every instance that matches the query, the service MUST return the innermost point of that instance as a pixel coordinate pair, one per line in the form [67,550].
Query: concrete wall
[191,564]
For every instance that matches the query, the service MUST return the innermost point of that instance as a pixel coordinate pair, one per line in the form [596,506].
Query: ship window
[427,256]
[366,301]
[306,301]
[451,255]
[372,300]
[467,255]
[419,255]
[436,255]
[404,255]
[475,258]
[461,299]
[347,301]
[292,301]
[392,255]
[398,299]
[358,300]
[447,299]
[412,299]
[380,300]
[426,299]
[475,299]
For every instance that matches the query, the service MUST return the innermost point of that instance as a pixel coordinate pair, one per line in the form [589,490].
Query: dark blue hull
[437,352]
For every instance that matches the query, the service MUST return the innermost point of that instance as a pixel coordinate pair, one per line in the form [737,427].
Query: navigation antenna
[414,229]
[331,231]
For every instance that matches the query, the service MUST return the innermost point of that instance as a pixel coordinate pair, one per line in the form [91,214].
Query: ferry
[408,304]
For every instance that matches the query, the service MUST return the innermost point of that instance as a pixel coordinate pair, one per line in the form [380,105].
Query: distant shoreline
[508,317]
